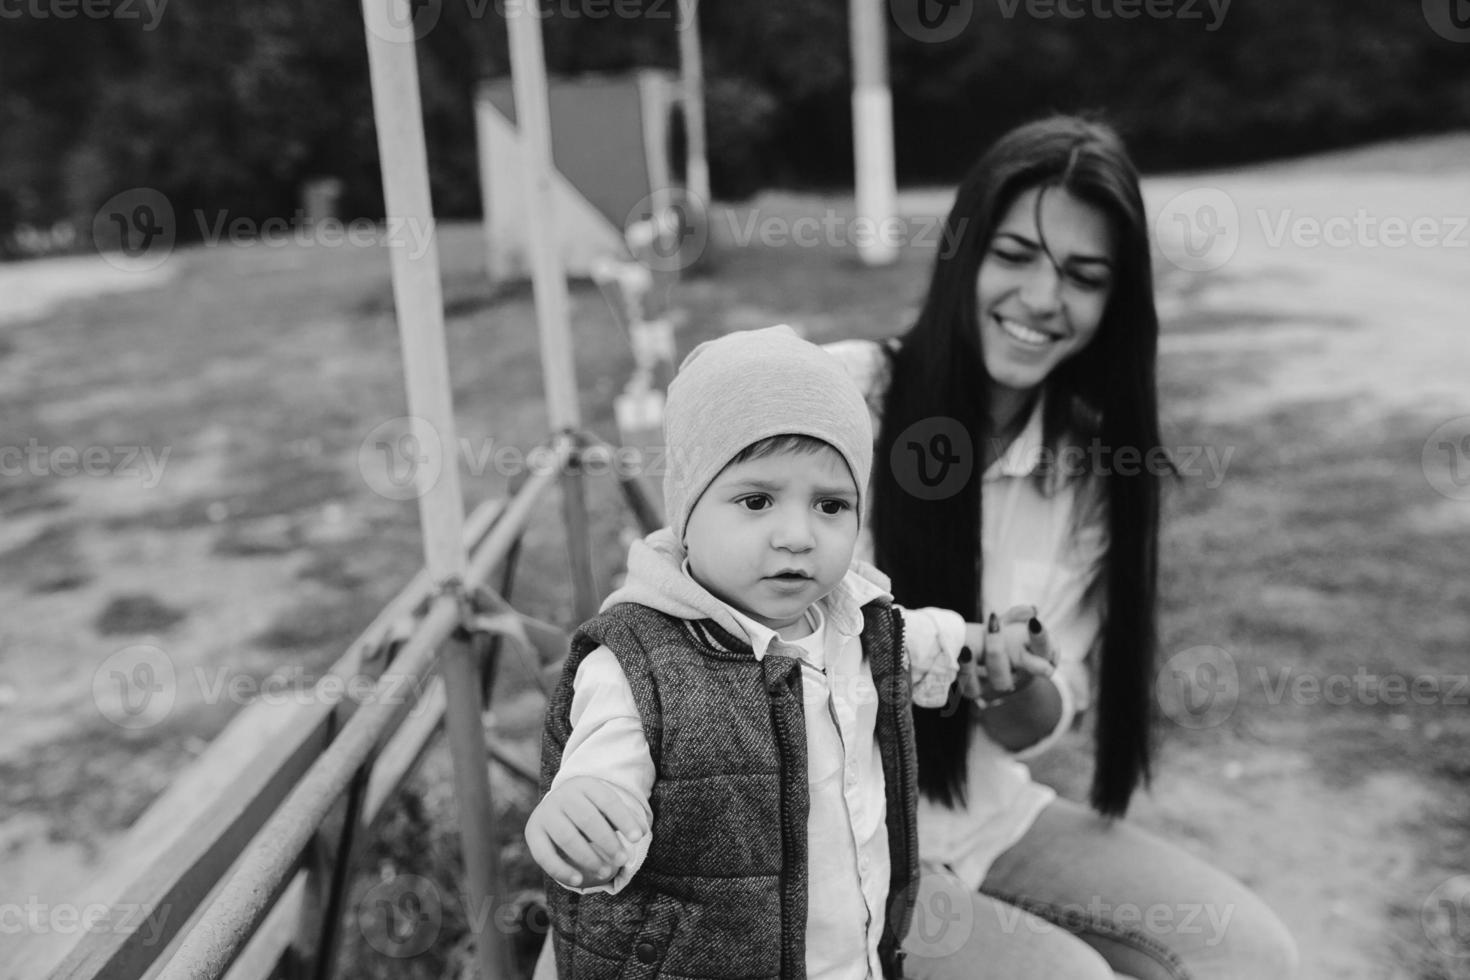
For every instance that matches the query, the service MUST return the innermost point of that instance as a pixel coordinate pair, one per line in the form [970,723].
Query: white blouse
[1035,550]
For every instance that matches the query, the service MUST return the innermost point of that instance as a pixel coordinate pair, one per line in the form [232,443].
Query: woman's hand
[1014,649]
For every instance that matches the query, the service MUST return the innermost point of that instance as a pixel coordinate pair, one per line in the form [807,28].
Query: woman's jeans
[1079,897]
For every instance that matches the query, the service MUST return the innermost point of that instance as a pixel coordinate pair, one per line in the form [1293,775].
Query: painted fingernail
[1034,626]
[576,880]
[993,625]
[604,872]
[965,655]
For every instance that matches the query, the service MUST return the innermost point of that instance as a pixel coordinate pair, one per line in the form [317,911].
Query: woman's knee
[957,934]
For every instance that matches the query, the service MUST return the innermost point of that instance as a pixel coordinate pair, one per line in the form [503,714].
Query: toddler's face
[773,535]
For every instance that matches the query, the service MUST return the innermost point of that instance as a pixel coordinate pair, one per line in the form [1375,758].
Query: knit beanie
[747,386]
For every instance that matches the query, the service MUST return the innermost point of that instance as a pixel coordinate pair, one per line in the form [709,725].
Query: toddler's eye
[755,501]
[832,507]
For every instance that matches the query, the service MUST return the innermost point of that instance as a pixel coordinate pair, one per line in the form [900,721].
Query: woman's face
[1041,291]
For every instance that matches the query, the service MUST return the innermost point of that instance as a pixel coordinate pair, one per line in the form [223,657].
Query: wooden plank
[265,867]
[183,843]
[227,923]
[259,959]
[171,888]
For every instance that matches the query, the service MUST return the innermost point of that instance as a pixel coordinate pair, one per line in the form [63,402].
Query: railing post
[418,302]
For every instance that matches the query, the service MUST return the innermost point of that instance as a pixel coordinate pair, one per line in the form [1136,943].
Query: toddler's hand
[572,833]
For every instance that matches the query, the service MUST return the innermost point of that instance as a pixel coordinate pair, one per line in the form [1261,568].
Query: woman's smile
[1024,335]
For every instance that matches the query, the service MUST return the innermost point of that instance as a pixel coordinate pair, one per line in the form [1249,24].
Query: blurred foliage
[231,106]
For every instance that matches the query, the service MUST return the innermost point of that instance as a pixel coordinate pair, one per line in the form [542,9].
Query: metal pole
[549,281]
[265,868]
[872,130]
[419,303]
[548,277]
[691,79]
[585,596]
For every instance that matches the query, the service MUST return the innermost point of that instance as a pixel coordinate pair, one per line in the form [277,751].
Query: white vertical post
[549,282]
[419,304]
[872,128]
[484,157]
[691,79]
[548,277]
[417,296]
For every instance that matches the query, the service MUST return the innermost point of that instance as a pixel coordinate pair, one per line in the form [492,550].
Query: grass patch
[49,562]
[274,535]
[99,779]
[20,495]
[406,915]
[136,613]
[318,629]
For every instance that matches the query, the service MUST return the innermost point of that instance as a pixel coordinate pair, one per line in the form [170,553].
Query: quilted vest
[722,893]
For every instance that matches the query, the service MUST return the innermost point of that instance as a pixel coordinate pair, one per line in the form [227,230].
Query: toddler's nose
[794,533]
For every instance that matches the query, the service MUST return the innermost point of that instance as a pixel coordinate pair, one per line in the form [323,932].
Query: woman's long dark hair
[931,548]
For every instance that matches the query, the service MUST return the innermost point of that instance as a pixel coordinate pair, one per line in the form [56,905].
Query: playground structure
[611,147]
[248,854]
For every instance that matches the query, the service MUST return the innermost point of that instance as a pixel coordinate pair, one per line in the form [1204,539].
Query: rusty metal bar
[225,926]
[195,838]
[466,730]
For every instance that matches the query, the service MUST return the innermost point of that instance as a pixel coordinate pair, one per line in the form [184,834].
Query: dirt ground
[1296,354]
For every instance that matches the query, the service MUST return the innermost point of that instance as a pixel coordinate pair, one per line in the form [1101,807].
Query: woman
[999,485]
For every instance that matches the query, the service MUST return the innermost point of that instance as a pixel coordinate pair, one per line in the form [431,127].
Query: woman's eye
[1011,256]
[1088,281]
[833,507]
[756,501]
